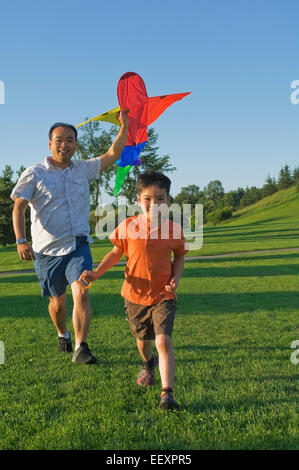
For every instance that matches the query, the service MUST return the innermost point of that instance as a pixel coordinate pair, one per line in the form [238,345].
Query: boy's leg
[146,376]
[163,318]
[145,349]
[166,367]
[166,360]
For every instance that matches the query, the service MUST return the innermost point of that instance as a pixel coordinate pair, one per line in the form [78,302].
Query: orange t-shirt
[148,252]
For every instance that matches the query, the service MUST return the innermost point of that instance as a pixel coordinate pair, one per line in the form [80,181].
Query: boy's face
[151,197]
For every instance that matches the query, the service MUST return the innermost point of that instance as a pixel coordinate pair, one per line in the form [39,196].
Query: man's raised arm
[119,143]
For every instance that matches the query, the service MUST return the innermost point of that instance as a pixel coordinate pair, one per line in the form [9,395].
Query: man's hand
[25,251]
[115,150]
[122,117]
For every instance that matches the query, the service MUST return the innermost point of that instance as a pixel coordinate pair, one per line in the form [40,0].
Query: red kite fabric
[143,111]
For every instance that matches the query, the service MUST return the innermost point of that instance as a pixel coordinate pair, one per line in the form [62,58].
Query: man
[57,191]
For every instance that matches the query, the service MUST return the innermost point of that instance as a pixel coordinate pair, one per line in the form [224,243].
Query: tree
[270,186]
[251,196]
[95,141]
[285,178]
[92,143]
[232,199]
[214,190]
[188,195]
[6,205]
[296,177]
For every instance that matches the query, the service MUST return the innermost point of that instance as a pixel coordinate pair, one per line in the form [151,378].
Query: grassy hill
[271,223]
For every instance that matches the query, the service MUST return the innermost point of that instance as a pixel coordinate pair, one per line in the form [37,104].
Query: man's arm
[119,143]
[18,219]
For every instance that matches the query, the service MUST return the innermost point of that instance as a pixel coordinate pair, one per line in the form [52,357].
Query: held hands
[25,251]
[85,280]
[89,276]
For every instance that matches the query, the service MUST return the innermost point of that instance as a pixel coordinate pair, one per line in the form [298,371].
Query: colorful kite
[143,111]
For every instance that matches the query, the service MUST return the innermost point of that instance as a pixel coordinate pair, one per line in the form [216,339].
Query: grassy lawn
[234,379]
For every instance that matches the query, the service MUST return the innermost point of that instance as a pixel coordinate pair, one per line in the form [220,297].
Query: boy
[151,279]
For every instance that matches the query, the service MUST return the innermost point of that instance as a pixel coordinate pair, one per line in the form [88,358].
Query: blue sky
[61,61]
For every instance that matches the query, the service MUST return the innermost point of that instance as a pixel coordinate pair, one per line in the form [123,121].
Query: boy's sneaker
[167,401]
[83,355]
[146,376]
[65,345]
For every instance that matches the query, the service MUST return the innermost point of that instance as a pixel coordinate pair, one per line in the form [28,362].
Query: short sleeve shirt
[148,252]
[60,203]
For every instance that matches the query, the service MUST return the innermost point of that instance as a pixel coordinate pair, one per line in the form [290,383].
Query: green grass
[234,379]
[271,223]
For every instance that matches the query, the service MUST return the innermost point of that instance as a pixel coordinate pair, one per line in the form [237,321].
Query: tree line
[94,141]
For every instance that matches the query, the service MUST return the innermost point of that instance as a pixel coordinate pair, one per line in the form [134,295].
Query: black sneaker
[146,376]
[83,355]
[167,401]
[65,345]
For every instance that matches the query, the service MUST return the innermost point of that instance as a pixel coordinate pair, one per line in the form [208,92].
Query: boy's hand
[89,276]
[172,286]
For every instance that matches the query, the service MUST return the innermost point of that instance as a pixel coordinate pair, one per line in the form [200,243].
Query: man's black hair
[63,124]
[150,178]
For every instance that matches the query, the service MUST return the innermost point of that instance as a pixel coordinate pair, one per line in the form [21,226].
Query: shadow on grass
[240,271]
[243,258]
[237,303]
[111,305]
[32,278]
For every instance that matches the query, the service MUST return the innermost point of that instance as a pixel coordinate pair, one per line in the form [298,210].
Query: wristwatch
[21,240]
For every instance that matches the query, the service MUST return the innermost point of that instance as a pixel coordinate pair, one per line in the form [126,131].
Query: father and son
[57,191]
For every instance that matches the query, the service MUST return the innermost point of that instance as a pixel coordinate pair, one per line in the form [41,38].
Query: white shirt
[59,203]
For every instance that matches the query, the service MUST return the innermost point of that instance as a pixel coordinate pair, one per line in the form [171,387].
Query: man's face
[150,198]
[63,144]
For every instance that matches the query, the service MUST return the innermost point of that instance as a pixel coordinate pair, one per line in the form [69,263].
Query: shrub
[219,215]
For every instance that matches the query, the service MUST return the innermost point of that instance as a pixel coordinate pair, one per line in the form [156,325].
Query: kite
[143,111]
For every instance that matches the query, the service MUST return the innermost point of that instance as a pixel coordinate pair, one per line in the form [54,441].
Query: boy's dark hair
[63,124]
[150,178]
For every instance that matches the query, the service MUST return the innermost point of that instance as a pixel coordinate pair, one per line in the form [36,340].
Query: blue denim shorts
[54,273]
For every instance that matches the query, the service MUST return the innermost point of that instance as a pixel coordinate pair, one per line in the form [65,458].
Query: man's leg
[57,311]
[81,314]
[81,322]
